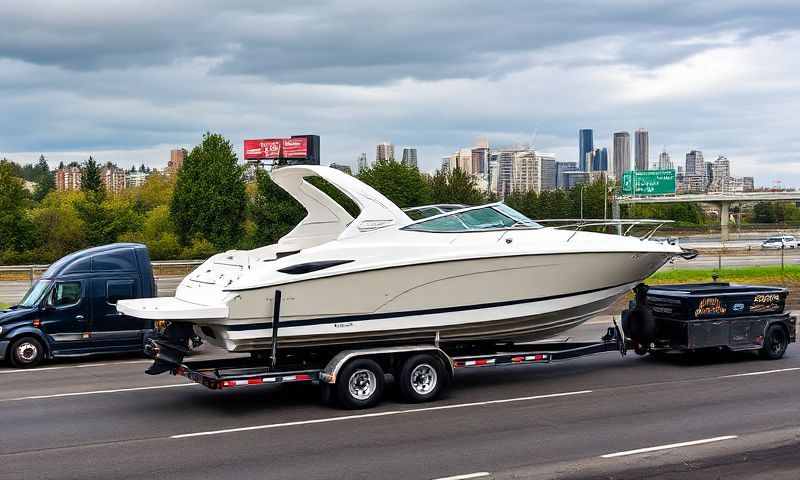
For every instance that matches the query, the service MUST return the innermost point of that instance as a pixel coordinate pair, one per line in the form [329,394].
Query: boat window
[312,266]
[449,223]
[484,218]
[491,217]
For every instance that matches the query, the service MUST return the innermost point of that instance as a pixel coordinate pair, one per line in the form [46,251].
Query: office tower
[410,156]
[694,163]
[361,163]
[597,160]
[480,160]
[561,168]
[176,158]
[585,145]
[622,154]
[505,167]
[642,161]
[721,167]
[664,161]
[384,152]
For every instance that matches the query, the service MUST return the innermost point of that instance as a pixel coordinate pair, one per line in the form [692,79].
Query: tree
[16,229]
[400,183]
[91,180]
[274,211]
[455,186]
[209,199]
[45,181]
[59,228]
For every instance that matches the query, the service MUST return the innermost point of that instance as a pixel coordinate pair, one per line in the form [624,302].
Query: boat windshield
[491,217]
[34,294]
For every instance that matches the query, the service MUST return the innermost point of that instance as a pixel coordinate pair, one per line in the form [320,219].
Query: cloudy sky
[127,81]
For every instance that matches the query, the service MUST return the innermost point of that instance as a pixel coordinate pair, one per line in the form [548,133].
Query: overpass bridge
[722,201]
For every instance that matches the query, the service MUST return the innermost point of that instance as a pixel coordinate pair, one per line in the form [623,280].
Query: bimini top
[326,219]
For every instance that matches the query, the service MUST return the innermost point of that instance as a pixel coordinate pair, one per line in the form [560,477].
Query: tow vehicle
[354,378]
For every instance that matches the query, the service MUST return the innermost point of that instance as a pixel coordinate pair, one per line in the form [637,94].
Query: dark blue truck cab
[71,310]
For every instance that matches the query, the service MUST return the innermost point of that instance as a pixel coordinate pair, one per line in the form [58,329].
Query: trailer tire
[776,340]
[26,352]
[422,378]
[360,384]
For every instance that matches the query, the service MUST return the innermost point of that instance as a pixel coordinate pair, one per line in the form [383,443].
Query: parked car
[71,310]
[783,241]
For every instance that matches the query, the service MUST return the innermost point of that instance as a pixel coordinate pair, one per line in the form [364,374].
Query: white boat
[482,273]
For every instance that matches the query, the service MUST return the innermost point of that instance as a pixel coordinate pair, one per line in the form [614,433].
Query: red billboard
[274,148]
[295,147]
[264,148]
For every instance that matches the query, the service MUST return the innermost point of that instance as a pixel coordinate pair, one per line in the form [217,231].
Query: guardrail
[32,272]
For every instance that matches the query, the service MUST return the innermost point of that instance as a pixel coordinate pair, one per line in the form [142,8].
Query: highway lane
[97,422]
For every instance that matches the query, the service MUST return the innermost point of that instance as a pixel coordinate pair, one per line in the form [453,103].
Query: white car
[783,241]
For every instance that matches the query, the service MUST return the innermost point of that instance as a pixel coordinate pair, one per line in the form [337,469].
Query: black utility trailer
[704,316]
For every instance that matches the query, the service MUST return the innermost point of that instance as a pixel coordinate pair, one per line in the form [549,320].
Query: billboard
[264,148]
[278,148]
[648,182]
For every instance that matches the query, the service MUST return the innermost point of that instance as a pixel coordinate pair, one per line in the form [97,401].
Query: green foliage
[156,191]
[275,213]
[59,228]
[400,183]
[45,180]
[106,219]
[209,199]
[455,187]
[90,177]
[16,228]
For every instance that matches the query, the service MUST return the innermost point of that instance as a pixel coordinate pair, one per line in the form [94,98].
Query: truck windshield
[34,294]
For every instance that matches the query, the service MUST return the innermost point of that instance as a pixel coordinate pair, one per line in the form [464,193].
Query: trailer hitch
[167,355]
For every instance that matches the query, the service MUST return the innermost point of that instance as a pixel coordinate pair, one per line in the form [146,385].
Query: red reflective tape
[303,377]
[517,359]
[254,381]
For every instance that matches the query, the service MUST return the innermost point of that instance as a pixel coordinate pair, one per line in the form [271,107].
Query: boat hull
[521,298]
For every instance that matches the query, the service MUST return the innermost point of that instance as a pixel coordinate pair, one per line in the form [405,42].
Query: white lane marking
[96,392]
[763,372]
[378,414]
[89,365]
[667,447]
[466,476]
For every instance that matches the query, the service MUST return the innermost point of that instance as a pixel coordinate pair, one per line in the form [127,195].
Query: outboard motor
[169,348]
[638,322]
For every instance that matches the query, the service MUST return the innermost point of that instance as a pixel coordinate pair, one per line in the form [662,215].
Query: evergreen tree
[90,177]
[274,211]
[16,228]
[45,180]
[209,200]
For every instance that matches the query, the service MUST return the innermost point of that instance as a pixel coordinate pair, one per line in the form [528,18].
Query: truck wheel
[775,343]
[360,384]
[422,378]
[26,352]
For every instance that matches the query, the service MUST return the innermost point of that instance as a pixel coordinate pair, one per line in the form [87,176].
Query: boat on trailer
[474,274]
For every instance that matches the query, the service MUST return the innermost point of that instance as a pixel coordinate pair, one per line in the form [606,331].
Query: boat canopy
[326,219]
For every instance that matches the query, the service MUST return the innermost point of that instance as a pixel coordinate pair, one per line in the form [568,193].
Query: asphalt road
[106,419]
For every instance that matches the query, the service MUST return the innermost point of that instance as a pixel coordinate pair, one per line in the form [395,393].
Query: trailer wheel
[360,384]
[775,342]
[422,378]
[26,352]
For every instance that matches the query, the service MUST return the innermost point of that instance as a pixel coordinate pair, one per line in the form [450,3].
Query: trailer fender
[331,370]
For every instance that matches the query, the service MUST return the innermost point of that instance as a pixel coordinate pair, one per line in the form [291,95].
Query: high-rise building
[384,152]
[361,162]
[622,154]
[597,160]
[585,145]
[664,161]
[576,177]
[533,171]
[410,156]
[480,160]
[561,168]
[68,177]
[694,163]
[642,161]
[176,159]
[720,179]
[505,167]
[113,178]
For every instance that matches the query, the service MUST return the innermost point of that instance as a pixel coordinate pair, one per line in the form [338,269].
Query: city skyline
[122,93]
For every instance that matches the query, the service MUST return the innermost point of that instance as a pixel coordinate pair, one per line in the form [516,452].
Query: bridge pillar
[724,216]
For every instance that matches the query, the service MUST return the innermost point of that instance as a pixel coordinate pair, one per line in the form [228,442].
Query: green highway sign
[648,182]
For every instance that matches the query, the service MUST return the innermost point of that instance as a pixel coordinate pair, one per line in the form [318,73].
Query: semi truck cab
[71,310]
